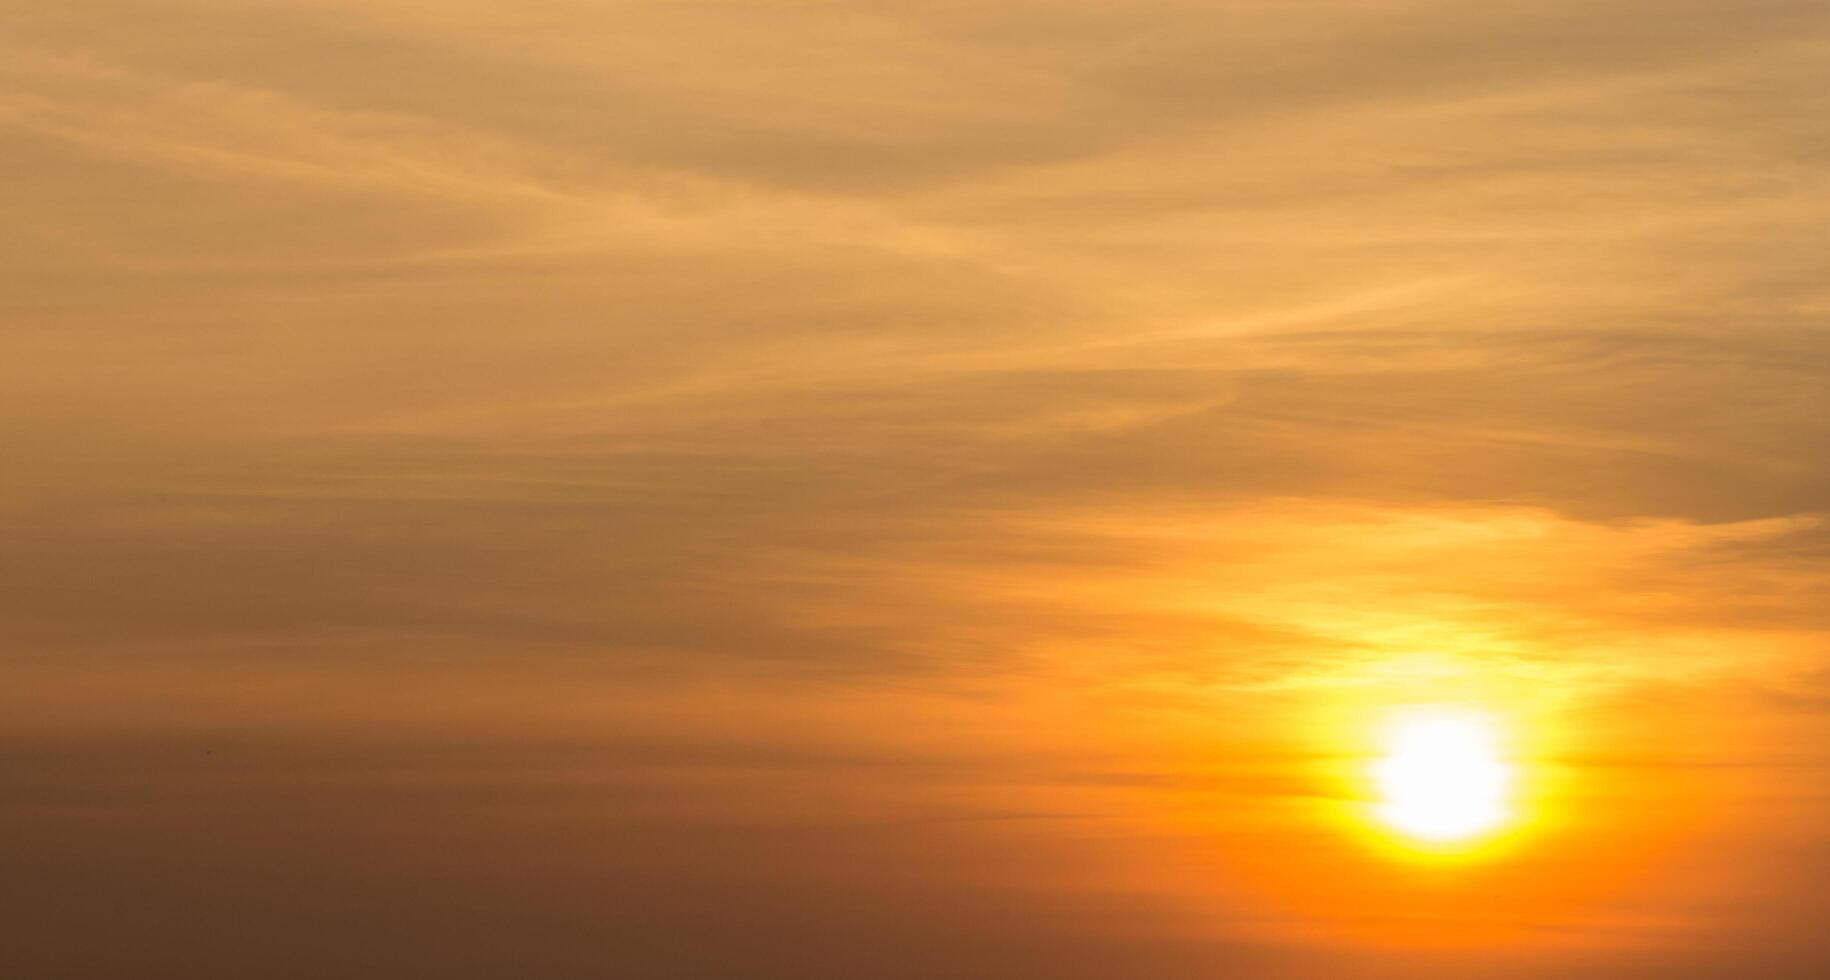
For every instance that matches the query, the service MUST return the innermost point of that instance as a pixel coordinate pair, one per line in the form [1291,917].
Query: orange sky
[822,490]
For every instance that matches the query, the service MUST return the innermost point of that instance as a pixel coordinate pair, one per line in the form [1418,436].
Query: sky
[809,489]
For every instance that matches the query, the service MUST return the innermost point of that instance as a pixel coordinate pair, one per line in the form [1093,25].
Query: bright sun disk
[1443,777]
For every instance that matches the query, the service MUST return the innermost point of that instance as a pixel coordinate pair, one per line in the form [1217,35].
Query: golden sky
[689,489]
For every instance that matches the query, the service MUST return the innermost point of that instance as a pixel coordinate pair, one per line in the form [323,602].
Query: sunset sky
[915,490]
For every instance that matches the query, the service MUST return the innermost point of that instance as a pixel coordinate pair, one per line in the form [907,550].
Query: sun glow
[1443,778]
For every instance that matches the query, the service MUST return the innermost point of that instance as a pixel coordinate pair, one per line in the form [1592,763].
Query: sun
[1443,778]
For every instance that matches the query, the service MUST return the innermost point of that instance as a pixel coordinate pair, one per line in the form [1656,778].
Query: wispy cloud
[738,425]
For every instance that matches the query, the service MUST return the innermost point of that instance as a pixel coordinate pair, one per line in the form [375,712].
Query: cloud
[923,483]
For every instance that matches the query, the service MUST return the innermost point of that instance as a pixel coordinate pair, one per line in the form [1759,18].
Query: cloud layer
[816,489]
